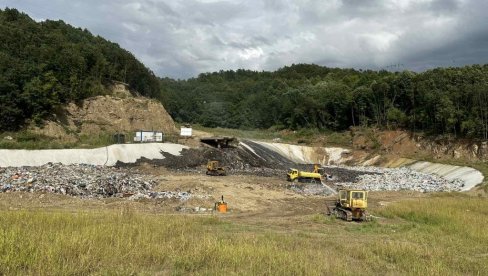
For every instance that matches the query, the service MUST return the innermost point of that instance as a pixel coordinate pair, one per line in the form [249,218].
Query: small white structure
[148,136]
[186,131]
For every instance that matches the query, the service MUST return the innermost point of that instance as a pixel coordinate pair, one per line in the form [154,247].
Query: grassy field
[440,234]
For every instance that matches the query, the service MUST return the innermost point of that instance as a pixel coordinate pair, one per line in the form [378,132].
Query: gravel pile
[237,160]
[182,196]
[85,181]
[310,189]
[385,179]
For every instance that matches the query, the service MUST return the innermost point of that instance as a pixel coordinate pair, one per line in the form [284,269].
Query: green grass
[443,234]
[111,243]
[29,140]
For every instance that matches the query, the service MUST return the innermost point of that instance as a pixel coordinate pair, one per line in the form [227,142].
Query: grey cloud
[159,9]
[445,6]
[183,38]
[473,49]
[248,42]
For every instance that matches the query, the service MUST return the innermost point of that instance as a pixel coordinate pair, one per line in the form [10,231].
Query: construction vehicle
[295,175]
[213,168]
[350,205]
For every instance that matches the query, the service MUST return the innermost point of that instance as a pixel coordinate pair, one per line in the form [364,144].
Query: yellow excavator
[350,205]
[213,168]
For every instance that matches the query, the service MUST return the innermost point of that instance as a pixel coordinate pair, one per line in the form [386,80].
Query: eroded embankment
[299,154]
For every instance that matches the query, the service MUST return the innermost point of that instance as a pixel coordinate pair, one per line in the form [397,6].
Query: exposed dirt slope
[119,112]
[402,143]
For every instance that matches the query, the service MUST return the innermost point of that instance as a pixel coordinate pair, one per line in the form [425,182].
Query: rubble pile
[236,160]
[182,196]
[86,181]
[385,179]
[310,189]
[347,174]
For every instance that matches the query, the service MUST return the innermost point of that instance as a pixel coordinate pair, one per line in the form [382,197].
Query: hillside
[46,65]
[443,101]
[118,112]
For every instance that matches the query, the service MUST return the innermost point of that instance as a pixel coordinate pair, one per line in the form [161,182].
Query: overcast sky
[182,38]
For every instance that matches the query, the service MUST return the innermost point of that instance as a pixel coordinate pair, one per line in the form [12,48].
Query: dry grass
[443,234]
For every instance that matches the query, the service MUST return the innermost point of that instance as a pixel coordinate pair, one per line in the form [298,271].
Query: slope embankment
[298,154]
[109,156]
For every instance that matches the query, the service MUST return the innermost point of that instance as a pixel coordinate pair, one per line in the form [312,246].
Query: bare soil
[403,143]
[107,114]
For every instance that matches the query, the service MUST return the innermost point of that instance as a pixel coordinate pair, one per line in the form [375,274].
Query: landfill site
[174,178]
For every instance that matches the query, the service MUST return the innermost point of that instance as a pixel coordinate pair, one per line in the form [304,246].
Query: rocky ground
[386,179]
[85,181]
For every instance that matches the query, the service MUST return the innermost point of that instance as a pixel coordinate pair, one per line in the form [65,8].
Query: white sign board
[186,131]
[148,136]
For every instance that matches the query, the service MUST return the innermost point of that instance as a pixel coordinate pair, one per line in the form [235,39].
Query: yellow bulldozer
[213,168]
[350,205]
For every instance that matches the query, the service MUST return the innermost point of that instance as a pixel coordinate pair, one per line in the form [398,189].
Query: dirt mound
[403,143]
[108,114]
[236,160]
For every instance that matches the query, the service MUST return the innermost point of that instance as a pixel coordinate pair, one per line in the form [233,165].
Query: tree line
[45,65]
[445,101]
[48,64]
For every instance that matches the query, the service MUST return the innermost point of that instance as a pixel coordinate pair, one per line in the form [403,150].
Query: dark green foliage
[47,64]
[447,101]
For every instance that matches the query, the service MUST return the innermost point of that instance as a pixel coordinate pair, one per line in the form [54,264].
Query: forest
[45,65]
[442,101]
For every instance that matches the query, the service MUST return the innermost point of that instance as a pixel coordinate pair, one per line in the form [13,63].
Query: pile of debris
[386,179]
[182,196]
[310,189]
[236,160]
[377,179]
[85,181]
